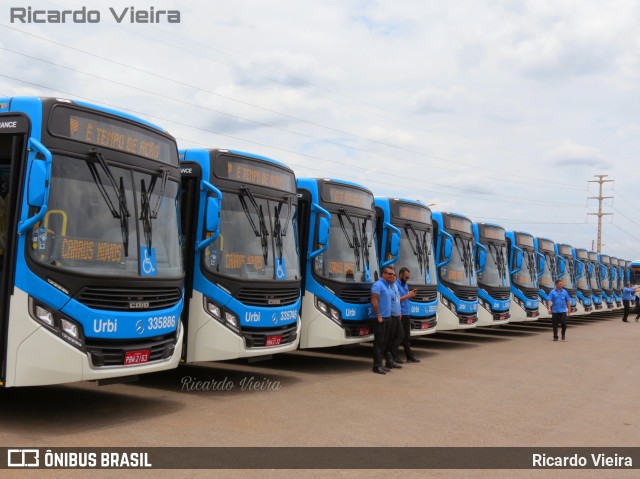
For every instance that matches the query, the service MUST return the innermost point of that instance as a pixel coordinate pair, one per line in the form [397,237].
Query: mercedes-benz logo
[140,327]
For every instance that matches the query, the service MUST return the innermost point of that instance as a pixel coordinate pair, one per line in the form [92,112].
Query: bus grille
[268,297]
[466,294]
[501,294]
[425,295]
[531,293]
[356,296]
[111,352]
[257,338]
[128,299]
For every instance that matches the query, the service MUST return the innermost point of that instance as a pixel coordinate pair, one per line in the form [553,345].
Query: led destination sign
[346,195]
[111,133]
[493,233]
[244,170]
[409,212]
[459,224]
[524,240]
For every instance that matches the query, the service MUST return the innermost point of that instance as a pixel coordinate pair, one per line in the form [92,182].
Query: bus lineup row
[121,255]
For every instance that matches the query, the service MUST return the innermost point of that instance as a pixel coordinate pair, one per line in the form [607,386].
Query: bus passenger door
[13,142]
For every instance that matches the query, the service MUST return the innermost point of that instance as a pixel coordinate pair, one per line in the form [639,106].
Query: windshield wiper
[499,260]
[366,244]
[261,233]
[278,231]
[122,213]
[146,214]
[355,244]
[466,255]
[417,248]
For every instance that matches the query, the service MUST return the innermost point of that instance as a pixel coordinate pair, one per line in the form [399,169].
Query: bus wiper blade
[418,249]
[353,242]
[366,244]
[146,214]
[123,211]
[278,231]
[262,233]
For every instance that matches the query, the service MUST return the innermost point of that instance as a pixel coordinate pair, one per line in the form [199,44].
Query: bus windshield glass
[496,273]
[583,281]
[569,275]
[96,213]
[351,255]
[460,270]
[547,279]
[527,276]
[416,253]
[257,238]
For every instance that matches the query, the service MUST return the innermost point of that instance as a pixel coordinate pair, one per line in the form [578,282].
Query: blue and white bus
[523,267]
[583,284]
[547,273]
[593,272]
[91,266]
[494,282]
[605,278]
[239,227]
[567,272]
[339,261]
[457,278]
[411,220]
[616,284]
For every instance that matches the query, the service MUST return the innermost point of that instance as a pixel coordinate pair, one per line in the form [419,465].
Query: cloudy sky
[499,110]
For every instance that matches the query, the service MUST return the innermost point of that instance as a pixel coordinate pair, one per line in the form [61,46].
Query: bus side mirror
[448,248]
[541,263]
[482,259]
[590,269]
[561,267]
[517,260]
[580,268]
[323,231]
[212,220]
[37,185]
[394,244]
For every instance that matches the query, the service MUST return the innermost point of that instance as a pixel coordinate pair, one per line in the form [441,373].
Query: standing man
[559,303]
[405,308]
[381,296]
[394,329]
[627,296]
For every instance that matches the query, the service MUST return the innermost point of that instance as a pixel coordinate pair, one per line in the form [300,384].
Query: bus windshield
[569,277]
[527,276]
[257,239]
[460,269]
[351,255]
[547,279]
[495,273]
[108,220]
[416,253]
[583,281]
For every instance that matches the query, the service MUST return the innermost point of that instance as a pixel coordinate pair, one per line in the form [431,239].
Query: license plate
[136,357]
[363,332]
[273,341]
[469,320]
[424,326]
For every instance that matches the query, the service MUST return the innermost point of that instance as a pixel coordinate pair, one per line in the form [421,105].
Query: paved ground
[511,386]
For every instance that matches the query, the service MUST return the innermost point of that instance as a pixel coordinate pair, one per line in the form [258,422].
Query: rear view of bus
[583,283]
[523,266]
[239,223]
[547,266]
[605,278]
[457,279]
[593,271]
[92,271]
[494,284]
[412,222]
[339,261]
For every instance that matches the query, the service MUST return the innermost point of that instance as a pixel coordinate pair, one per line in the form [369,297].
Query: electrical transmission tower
[600,214]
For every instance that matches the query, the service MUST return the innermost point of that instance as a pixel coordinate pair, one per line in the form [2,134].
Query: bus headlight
[44,315]
[232,320]
[323,307]
[57,323]
[335,315]
[220,314]
[70,328]
[213,309]
[332,313]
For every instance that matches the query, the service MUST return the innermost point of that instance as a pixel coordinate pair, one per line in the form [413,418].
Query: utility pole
[600,214]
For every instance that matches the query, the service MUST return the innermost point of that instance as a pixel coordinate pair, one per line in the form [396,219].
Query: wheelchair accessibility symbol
[280,269]
[148,262]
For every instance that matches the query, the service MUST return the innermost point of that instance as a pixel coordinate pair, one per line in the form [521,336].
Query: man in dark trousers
[559,303]
[381,297]
[404,275]
[627,296]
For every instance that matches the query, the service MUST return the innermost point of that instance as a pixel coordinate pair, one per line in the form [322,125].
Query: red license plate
[469,320]
[363,332]
[424,326]
[273,341]
[136,357]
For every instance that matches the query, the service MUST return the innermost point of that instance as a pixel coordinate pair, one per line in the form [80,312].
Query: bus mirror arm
[324,224]
[445,242]
[212,215]
[540,264]
[37,185]
[517,259]
[482,257]
[394,245]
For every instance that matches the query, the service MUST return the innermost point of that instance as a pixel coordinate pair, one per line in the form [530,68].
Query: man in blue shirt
[381,299]
[404,275]
[559,303]
[627,296]
[394,328]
